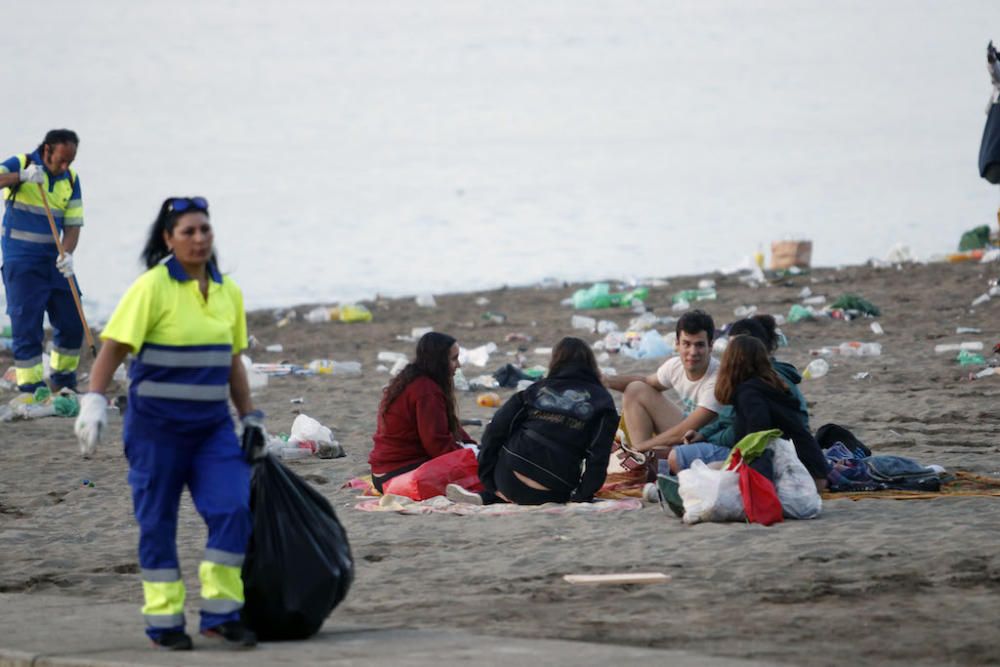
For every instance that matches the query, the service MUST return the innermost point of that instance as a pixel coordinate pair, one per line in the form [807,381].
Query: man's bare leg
[646,412]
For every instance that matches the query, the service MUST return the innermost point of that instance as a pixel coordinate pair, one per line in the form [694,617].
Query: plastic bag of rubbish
[795,486]
[256,379]
[305,430]
[477,356]
[296,571]
[651,346]
[709,494]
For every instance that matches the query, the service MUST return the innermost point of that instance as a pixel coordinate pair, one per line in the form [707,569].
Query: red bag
[760,499]
[431,478]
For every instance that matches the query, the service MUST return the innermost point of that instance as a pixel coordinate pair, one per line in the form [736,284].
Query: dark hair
[748,327]
[572,351]
[156,247]
[696,321]
[53,137]
[770,327]
[432,361]
[745,358]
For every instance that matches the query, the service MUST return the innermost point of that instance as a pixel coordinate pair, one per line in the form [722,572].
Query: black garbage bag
[298,565]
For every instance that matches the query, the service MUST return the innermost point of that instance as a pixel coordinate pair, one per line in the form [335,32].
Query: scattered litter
[416,333]
[967,330]
[477,356]
[338,368]
[488,400]
[426,301]
[583,322]
[966,358]
[606,326]
[481,301]
[971,346]
[863,375]
[598,295]
[650,346]
[543,351]
[277,347]
[297,401]
[745,311]
[857,349]
[518,337]
[494,318]
[986,372]
[877,328]
[817,368]
[700,294]
[814,300]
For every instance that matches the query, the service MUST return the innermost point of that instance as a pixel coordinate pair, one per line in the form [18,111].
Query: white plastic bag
[709,494]
[305,429]
[795,486]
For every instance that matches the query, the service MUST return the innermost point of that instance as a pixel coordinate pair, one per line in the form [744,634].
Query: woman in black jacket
[762,401]
[551,442]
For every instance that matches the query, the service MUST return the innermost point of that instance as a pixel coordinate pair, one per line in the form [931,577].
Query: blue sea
[400,147]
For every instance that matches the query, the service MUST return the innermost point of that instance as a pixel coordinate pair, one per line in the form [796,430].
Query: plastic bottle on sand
[817,368]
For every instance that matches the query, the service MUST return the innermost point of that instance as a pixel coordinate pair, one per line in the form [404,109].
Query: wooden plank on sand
[619,578]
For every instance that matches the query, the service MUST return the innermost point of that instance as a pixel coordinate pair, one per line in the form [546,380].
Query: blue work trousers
[165,456]
[35,287]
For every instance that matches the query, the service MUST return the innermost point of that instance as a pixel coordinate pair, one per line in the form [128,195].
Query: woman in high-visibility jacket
[35,278]
[184,323]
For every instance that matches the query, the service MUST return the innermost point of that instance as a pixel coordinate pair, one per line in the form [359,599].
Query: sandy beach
[869,582]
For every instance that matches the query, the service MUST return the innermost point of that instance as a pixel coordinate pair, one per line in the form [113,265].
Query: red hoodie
[414,429]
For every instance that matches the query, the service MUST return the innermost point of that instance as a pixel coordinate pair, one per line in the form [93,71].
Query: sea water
[400,147]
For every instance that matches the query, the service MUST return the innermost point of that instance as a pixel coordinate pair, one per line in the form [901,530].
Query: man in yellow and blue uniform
[35,278]
[178,431]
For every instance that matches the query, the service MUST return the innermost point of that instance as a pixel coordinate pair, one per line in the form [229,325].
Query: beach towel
[441,505]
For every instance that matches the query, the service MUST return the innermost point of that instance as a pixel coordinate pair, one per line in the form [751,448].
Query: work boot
[174,640]
[233,633]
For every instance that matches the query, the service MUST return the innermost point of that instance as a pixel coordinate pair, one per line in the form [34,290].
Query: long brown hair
[745,358]
[431,361]
[573,351]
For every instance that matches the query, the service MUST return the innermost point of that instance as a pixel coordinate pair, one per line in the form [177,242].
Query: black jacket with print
[558,432]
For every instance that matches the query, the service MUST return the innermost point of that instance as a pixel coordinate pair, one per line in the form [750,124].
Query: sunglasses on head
[181,204]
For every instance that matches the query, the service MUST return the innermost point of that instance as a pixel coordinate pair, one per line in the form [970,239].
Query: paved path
[43,630]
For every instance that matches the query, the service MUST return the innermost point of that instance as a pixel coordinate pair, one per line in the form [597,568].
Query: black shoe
[174,640]
[233,633]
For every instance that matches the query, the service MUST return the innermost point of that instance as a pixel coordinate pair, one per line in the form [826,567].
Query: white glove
[91,421]
[34,173]
[65,265]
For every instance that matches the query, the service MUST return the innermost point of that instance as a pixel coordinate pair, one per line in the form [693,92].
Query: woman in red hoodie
[417,418]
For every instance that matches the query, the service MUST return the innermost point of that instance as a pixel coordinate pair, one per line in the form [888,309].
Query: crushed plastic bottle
[877,329]
[337,368]
[817,368]
[583,322]
[857,349]
[971,346]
